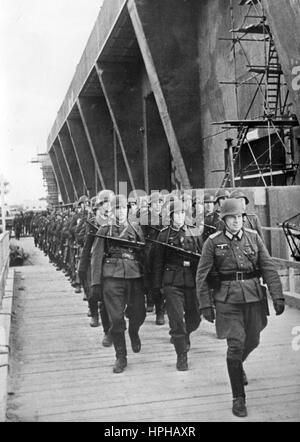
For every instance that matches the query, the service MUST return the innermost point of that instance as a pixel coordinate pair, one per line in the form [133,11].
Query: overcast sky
[41,42]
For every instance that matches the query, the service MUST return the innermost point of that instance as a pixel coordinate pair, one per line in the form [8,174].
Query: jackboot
[135,339]
[94,321]
[160,314]
[107,341]
[181,350]
[121,352]
[235,371]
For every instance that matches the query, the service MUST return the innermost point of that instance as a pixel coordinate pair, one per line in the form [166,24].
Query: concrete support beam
[72,161]
[176,95]
[58,176]
[83,154]
[64,171]
[99,128]
[69,173]
[127,132]
[86,114]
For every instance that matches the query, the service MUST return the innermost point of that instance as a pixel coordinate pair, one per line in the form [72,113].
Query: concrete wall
[170,28]
[183,41]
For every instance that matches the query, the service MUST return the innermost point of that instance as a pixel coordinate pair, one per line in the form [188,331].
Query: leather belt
[239,276]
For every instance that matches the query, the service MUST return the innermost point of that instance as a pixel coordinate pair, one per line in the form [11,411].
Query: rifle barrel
[137,244]
[178,249]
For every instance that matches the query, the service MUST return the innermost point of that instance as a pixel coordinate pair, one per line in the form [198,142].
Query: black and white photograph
[150,214]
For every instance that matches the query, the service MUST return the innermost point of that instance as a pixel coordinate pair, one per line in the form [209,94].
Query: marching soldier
[175,263]
[151,224]
[251,221]
[212,221]
[95,297]
[117,270]
[240,257]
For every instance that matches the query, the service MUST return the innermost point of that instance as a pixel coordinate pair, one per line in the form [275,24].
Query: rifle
[123,242]
[94,226]
[186,253]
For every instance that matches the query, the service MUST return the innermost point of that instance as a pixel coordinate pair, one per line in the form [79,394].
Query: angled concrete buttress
[85,113]
[99,126]
[123,99]
[57,172]
[173,77]
[84,155]
[72,161]
[64,171]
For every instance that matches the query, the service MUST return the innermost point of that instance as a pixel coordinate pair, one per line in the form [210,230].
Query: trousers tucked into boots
[181,350]
[121,352]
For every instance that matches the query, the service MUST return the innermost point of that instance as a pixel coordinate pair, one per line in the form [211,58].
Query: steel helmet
[119,201]
[176,206]
[221,193]
[105,196]
[209,197]
[83,199]
[232,206]
[155,196]
[239,194]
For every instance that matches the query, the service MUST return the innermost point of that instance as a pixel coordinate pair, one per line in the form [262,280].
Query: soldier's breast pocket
[251,252]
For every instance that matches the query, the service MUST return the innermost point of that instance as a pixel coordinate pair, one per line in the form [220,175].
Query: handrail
[4,261]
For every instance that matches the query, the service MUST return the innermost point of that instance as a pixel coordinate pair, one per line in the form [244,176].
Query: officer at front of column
[240,257]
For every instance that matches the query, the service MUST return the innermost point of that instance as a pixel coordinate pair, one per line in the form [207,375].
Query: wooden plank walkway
[60,372]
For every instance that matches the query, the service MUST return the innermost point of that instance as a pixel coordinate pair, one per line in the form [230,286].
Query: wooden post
[230,161]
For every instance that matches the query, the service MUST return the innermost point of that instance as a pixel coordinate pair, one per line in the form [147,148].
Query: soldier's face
[208,207]
[234,223]
[121,214]
[156,206]
[179,218]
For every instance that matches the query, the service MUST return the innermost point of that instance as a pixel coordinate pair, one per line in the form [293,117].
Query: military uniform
[94,295]
[151,225]
[212,223]
[119,270]
[241,315]
[251,221]
[175,274]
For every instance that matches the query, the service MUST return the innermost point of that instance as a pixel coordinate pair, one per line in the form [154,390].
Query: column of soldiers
[22,224]
[176,254]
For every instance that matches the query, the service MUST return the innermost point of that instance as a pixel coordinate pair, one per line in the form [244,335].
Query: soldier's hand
[279,306]
[209,314]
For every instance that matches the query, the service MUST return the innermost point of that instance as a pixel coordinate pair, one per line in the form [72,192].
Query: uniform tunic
[239,260]
[176,275]
[119,269]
